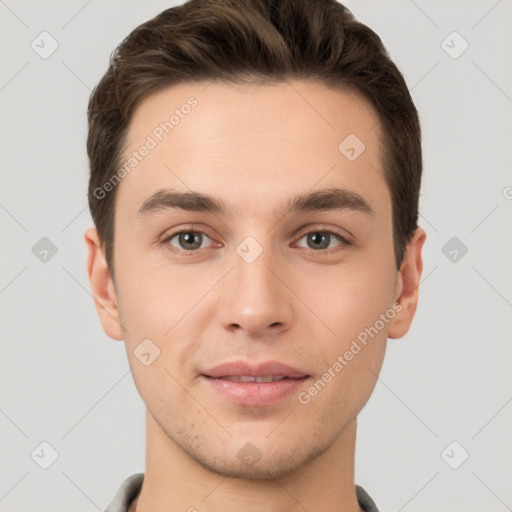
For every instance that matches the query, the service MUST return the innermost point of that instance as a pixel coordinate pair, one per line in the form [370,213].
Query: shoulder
[126,494]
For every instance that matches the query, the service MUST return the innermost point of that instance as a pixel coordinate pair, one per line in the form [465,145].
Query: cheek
[350,300]
[152,300]
[353,348]
[353,385]
[165,315]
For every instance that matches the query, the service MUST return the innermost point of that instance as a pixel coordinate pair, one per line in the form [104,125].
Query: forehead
[287,109]
[252,142]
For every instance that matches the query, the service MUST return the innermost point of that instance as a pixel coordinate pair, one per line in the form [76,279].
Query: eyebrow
[321,200]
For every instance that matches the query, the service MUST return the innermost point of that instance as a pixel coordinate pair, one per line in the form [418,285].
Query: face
[314,287]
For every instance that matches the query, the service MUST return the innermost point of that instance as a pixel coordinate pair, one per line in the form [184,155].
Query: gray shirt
[131,487]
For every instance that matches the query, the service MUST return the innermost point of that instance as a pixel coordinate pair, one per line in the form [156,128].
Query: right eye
[188,240]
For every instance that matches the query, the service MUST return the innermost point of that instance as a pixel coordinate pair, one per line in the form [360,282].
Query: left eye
[321,239]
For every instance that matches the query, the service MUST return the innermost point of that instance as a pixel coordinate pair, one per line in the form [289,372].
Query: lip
[237,368]
[255,393]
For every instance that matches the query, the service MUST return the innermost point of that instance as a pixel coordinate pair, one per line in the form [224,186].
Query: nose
[256,299]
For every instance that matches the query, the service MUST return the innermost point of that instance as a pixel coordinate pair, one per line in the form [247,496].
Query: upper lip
[255,370]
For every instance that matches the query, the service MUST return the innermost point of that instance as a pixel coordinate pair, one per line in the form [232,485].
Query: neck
[174,481]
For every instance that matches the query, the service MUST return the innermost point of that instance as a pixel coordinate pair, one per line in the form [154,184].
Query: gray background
[64,382]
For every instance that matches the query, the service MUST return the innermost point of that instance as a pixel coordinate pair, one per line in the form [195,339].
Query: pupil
[317,237]
[190,238]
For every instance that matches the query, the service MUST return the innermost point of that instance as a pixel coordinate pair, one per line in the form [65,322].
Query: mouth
[261,385]
[251,378]
[269,371]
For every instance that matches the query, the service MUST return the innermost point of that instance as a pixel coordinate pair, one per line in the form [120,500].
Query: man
[255,174]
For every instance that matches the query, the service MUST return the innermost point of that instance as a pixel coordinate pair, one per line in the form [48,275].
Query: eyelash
[344,243]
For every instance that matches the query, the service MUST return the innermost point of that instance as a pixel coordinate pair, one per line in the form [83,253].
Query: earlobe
[409,281]
[102,286]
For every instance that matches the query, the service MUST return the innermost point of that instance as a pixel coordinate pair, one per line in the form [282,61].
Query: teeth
[248,378]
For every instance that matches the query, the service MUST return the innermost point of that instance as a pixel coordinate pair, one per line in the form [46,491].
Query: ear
[408,285]
[102,286]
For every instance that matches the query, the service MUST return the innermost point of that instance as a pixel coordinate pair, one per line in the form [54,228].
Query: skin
[254,147]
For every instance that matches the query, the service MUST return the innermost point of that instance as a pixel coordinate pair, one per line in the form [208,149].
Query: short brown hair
[262,42]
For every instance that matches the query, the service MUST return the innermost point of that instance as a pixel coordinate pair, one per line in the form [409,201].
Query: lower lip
[255,393]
